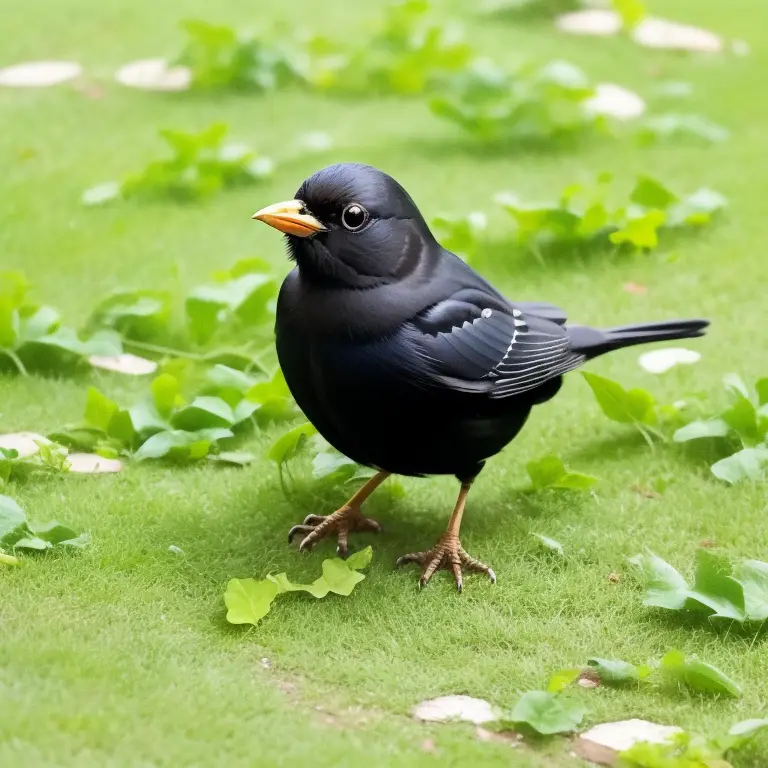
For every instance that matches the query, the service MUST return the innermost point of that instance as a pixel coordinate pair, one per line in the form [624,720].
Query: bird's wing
[475,342]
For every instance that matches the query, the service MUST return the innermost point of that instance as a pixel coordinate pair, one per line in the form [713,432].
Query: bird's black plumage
[401,355]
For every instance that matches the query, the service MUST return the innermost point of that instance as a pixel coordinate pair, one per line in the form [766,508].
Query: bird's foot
[447,554]
[342,522]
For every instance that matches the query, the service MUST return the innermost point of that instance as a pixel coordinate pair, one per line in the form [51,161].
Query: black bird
[403,357]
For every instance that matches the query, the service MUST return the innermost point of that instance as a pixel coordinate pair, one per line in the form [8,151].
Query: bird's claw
[342,522]
[447,554]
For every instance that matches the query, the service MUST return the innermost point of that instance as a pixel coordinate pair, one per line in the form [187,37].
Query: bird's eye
[354,217]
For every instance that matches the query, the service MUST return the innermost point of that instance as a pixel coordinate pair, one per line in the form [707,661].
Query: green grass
[120,655]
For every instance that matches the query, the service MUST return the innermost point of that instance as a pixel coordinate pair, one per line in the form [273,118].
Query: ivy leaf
[334,466]
[99,409]
[697,209]
[318,588]
[361,559]
[203,413]
[180,445]
[661,128]
[12,516]
[546,713]
[618,404]
[248,601]
[341,579]
[165,394]
[665,587]
[651,193]
[562,679]
[613,671]
[752,575]
[134,314]
[289,444]
[715,588]
[748,464]
[641,231]
[274,399]
[550,544]
[34,543]
[551,472]
[698,675]
[699,429]
[53,532]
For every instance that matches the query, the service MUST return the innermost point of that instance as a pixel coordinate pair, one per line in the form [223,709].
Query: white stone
[603,743]
[154,75]
[39,74]
[660,33]
[447,708]
[663,360]
[614,101]
[25,443]
[593,21]
[90,463]
[129,364]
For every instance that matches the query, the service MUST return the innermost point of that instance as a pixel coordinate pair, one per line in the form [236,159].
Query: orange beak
[290,217]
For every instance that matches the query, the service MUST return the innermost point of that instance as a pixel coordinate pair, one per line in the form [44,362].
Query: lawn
[121,655]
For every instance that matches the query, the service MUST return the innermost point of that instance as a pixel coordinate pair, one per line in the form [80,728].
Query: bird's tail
[597,341]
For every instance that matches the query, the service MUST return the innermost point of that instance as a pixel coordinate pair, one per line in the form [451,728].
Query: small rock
[154,75]
[614,578]
[589,679]
[24,443]
[176,550]
[614,101]
[126,363]
[662,360]
[266,663]
[446,708]
[594,21]
[39,74]
[660,33]
[603,743]
[92,464]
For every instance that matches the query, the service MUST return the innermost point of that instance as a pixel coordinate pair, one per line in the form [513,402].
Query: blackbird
[403,357]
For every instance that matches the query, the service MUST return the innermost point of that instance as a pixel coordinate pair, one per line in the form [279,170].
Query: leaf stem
[160,350]
[16,360]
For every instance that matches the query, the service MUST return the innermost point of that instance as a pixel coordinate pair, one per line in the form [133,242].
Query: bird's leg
[344,520]
[448,554]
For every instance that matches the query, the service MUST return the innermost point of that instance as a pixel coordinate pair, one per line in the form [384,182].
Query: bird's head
[352,225]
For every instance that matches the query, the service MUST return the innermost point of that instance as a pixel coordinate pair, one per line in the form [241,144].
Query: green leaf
[632,12]
[203,413]
[289,444]
[233,458]
[641,231]
[53,532]
[613,671]
[318,588]
[762,391]
[102,193]
[341,579]
[749,464]
[562,679]
[546,713]
[550,544]
[11,516]
[135,314]
[715,587]
[681,126]
[359,560]
[748,728]
[618,404]
[334,465]
[752,575]
[665,587]
[165,394]
[651,193]
[697,209]
[99,409]
[180,445]
[248,601]
[34,543]
[699,429]
[8,559]
[698,675]
[551,472]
